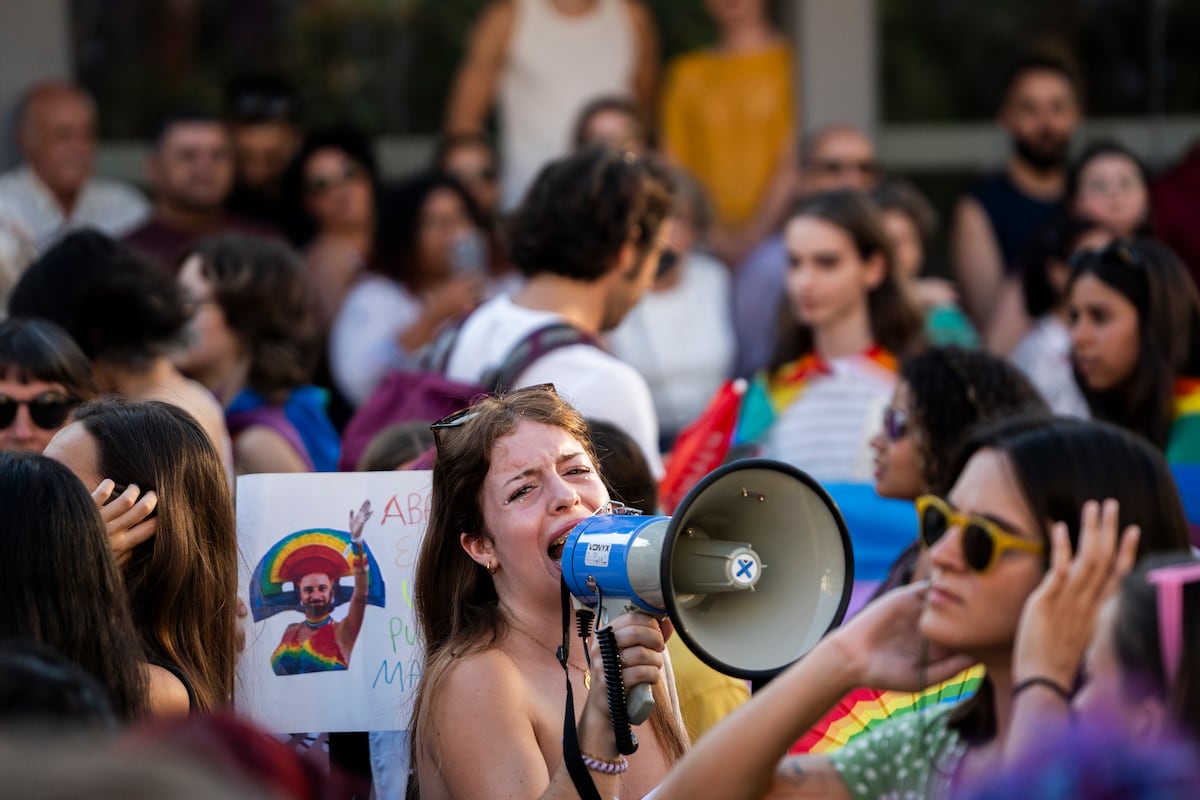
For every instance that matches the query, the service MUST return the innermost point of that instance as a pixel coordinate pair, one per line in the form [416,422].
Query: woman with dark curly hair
[941,395]
[253,344]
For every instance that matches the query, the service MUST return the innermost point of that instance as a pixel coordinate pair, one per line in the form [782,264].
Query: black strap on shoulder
[536,344]
[571,755]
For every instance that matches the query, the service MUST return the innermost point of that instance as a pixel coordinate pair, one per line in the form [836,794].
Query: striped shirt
[827,430]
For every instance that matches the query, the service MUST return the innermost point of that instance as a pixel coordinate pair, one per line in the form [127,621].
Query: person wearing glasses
[941,396]
[1023,483]
[512,476]
[43,377]
[1134,318]
[472,158]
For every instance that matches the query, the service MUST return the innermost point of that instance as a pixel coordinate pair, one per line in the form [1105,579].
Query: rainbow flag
[864,709]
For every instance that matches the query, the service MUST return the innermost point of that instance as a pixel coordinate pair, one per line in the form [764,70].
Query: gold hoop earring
[493,568]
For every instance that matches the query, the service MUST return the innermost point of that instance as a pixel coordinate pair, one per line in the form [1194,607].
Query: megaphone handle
[618,711]
[640,703]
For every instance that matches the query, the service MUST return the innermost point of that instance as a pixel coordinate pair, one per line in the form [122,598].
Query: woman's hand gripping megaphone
[627,660]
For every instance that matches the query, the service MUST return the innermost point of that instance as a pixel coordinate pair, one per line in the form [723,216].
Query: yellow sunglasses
[983,541]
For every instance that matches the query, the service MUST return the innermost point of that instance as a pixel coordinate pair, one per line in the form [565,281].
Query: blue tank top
[1015,216]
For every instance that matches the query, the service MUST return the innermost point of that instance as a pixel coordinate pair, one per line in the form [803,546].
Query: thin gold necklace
[587,675]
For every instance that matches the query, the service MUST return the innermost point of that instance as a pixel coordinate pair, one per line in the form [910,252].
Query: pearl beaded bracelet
[605,765]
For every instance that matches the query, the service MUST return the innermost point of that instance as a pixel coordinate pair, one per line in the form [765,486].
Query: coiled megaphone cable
[627,741]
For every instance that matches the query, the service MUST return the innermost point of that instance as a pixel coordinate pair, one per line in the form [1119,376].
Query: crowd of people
[637,242]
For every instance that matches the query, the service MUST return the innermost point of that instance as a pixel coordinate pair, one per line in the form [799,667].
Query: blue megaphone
[754,567]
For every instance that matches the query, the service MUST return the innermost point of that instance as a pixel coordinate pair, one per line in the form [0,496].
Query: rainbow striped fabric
[864,709]
[317,653]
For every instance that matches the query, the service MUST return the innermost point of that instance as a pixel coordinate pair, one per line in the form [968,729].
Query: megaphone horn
[754,567]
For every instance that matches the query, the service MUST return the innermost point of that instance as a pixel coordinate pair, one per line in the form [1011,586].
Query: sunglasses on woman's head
[465,415]
[48,410]
[895,423]
[983,541]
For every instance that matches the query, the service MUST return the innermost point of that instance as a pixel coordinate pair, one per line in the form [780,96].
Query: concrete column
[35,39]
[837,60]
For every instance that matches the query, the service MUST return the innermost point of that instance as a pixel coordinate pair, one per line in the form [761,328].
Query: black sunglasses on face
[895,423]
[48,411]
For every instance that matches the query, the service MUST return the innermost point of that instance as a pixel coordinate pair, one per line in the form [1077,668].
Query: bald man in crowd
[837,156]
[53,190]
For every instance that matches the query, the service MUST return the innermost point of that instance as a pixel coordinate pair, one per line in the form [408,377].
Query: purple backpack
[427,395]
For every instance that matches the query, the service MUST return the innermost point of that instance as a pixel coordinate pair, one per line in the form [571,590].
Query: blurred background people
[1135,343]
[473,160]
[127,317]
[334,183]
[842,326]
[191,172]
[253,342]
[728,118]
[1110,185]
[1039,110]
[264,125]
[911,224]
[1044,352]
[833,157]
[679,336]
[55,189]
[432,266]
[537,62]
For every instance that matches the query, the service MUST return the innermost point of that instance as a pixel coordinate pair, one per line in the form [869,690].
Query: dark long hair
[896,325]
[1152,278]
[61,584]
[1059,464]
[182,582]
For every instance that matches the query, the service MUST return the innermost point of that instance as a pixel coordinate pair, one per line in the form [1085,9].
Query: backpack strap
[435,356]
[536,344]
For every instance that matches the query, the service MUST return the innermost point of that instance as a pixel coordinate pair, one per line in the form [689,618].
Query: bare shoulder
[259,449]
[167,694]
[490,670]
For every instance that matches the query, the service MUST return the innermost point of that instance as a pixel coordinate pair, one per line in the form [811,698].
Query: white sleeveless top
[555,65]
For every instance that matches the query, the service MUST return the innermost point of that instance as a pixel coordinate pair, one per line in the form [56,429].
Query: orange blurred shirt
[726,118]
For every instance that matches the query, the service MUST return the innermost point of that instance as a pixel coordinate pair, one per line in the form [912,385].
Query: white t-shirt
[363,343]
[555,64]
[109,206]
[599,385]
[681,340]
[827,430]
[1044,355]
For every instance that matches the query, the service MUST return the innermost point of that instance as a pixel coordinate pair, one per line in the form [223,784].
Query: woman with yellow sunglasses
[988,547]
